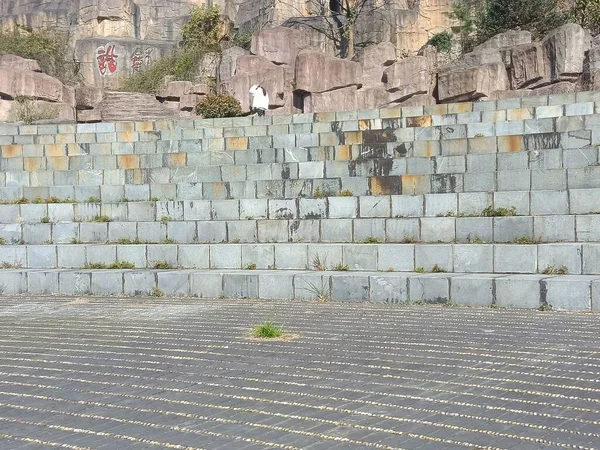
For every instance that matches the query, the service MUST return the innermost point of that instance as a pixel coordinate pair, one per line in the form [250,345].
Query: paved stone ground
[183,374]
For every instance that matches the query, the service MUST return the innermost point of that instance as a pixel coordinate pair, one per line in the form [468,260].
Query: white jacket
[259,100]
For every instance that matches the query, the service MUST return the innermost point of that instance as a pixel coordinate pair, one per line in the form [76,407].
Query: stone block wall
[484,203]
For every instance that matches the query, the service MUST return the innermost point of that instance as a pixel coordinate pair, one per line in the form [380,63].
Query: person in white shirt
[260,99]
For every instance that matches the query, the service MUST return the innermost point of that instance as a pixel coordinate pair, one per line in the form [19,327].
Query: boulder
[563,87]
[256,70]
[188,102]
[5,107]
[209,65]
[88,97]
[374,60]
[419,100]
[478,58]
[565,52]
[89,115]
[174,90]
[372,97]
[200,89]
[527,66]
[227,64]
[18,63]
[280,45]
[338,100]
[508,39]
[68,95]
[459,85]
[316,72]
[25,83]
[408,77]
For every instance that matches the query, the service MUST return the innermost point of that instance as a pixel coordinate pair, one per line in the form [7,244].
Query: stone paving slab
[184,374]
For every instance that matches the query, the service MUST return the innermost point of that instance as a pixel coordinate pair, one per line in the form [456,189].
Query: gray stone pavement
[184,374]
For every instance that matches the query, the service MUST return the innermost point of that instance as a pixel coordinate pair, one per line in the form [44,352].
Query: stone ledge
[571,293]
[552,259]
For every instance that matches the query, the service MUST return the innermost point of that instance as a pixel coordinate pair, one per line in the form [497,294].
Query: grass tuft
[267,330]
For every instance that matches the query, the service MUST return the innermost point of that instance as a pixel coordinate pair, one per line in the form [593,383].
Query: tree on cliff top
[340,20]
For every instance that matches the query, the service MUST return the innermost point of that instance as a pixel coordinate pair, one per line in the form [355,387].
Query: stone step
[117,106]
[464,205]
[540,109]
[244,163]
[183,184]
[427,141]
[518,229]
[570,292]
[564,258]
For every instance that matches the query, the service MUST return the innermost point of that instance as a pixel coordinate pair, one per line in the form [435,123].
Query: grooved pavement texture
[183,374]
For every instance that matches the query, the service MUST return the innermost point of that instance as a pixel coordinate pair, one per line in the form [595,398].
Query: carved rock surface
[508,39]
[256,70]
[564,52]
[528,66]
[25,83]
[316,72]
[374,60]
[18,63]
[88,97]
[339,100]
[408,77]
[174,90]
[227,64]
[280,45]
[466,84]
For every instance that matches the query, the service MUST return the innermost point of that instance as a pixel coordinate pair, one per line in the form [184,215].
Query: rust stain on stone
[415,184]
[126,136]
[421,121]
[55,150]
[128,161]
[145,126]
[353,137]
[58,162]
[385,186]
[32,164]
[342,153]
[178,159]
[364,124]
[510,144]
[12,151]
[236,143]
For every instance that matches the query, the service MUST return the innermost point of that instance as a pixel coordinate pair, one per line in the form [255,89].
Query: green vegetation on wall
[587,14]
[200,37]
[479,20]
[50,49]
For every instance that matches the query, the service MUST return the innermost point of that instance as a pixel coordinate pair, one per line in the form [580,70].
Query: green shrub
[25,109]
[200,36]
[243,40]
[219,105]
[442,42]
[537,16]
[587,14]
[181,65]
[50,49]
[203,28]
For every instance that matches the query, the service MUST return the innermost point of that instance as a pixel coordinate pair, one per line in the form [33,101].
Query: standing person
[260,99]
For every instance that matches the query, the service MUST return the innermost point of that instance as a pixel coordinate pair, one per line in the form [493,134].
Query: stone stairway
[122,106]
[482,204]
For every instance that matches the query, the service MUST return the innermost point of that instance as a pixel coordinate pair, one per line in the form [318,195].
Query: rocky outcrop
[316,72]
[408,77]
[22,87]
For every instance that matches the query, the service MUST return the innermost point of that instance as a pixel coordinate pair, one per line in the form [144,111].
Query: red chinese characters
[107,60]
